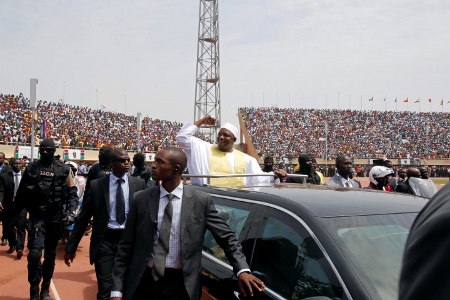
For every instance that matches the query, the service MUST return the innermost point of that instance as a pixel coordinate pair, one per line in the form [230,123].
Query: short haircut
[177,157]
[13,160]
[105,149]
[341,158]
[139,157]
[387,162]
[116,152]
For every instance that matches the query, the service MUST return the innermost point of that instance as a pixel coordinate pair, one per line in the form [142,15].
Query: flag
[44,129]
[384,99]
[417,101]
[81,154]
[371,99]
[395,99]
[429,100]
[442,102]
[66,154]
[105,106]
[448,101]
[406,100]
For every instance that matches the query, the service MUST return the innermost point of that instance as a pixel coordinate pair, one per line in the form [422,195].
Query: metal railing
[208,176]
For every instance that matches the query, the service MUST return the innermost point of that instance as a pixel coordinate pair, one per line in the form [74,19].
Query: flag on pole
[406,100]
[448,101]
[417,101]
[44,129]
[384,99]
[442,102]
[395,99]
[371,99]
[429,99]
[105,106]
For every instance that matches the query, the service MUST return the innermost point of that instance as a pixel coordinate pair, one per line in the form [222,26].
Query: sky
[140,56]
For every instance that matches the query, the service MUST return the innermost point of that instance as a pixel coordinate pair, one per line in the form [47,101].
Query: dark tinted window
[235,215]
[289,261]
[374,246]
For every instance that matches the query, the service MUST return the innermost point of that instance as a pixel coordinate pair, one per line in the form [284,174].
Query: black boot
[34,293]
[45,291]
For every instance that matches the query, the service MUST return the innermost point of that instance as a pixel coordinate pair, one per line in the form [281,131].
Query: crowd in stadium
[279,132]
[81,127]
[285,132]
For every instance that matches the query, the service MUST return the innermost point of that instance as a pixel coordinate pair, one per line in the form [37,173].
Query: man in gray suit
[101,203]
[342,177]
[159,255]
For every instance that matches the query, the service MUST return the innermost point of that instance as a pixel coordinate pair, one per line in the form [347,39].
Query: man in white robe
[205,158]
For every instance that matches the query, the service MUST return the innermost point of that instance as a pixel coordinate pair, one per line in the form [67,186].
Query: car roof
[323,201]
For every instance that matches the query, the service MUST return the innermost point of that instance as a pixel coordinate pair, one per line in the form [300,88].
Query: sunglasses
[123,159]
[46,149]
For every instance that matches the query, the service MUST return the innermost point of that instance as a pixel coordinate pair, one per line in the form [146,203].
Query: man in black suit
[406,186]
[178,217]
[9,183]
[424,273]
[108,203]
[4,168]
[100,169]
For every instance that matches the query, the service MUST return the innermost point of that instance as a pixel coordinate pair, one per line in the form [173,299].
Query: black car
[312,242]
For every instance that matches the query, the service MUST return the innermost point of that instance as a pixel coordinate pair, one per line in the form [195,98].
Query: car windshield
[374,247]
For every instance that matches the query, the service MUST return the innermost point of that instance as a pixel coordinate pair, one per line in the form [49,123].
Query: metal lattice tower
[207,89]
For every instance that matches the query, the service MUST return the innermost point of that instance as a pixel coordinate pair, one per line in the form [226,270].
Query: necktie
[159,261]
[16,183]
[120,203]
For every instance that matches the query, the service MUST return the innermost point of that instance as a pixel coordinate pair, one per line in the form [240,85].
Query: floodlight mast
[207,88]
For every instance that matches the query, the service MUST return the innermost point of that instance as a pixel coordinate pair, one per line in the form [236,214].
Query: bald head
[177,157]
[413,172]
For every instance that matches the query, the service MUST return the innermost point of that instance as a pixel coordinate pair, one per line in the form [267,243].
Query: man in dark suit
[100,169]
[343,177]
[9,183]
[4,168]
[108,203]
[406,186]
[178,217]
[424,273]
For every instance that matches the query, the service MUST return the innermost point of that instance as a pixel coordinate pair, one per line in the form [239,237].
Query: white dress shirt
[344,181]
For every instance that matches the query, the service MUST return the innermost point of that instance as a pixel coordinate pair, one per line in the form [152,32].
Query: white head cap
[231,128]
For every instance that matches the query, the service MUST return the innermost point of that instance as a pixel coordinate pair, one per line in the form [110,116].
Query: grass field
[440,180]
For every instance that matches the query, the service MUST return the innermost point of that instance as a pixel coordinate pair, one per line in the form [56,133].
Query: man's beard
[268,169]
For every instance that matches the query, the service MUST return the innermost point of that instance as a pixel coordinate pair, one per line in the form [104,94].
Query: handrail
[209,176]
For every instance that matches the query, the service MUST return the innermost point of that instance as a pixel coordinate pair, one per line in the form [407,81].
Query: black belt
[168,272]
[113,233]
